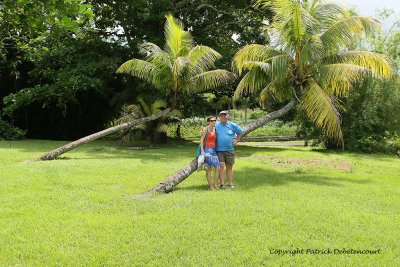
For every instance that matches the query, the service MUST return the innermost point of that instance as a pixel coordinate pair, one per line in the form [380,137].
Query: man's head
[223,116]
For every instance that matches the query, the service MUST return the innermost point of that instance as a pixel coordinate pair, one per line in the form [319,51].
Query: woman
[207,143]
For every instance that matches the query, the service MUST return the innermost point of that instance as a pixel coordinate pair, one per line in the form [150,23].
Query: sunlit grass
[83,209]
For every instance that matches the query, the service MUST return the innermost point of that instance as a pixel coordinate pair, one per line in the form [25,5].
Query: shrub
[9,132]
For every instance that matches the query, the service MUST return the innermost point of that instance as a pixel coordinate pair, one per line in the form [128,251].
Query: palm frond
[264,66]
[338,78]
[263,4]
[253,52]
[298,25]
[178,41]
[203,58]
[155,55]
[211,79]
[143,105]
[313,50]
[180,67]
[327,13]
[174,114]
[252,82]
[280,67]
[378,64]
[275,67]
[139,68]
[291,23]
[342,32]
[129,113]
[273,93]
[158,105]
[321,108]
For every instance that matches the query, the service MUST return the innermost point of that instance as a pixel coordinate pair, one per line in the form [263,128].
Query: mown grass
[84,209]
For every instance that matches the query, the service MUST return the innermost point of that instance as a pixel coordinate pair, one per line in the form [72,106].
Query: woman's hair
[210,117]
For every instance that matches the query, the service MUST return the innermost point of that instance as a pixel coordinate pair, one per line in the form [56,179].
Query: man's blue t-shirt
[226,134]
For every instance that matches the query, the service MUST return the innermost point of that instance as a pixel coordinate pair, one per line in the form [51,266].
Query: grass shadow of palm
[101,149]
[249,178]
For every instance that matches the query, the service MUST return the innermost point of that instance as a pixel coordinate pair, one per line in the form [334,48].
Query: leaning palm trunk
[269,117]
[61,150]
[169,184]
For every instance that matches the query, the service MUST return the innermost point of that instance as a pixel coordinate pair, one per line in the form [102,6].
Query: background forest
[58,62]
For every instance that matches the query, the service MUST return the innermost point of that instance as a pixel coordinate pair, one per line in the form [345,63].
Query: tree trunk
[269,117]
[169,184]
[61,150]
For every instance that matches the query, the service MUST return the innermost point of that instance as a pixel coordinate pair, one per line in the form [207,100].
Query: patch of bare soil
[295,162]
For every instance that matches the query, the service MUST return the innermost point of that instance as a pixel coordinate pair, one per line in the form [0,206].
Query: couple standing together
[216,143]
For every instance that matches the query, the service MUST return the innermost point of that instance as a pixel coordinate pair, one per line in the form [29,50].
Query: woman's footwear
[222,186]
[230,186]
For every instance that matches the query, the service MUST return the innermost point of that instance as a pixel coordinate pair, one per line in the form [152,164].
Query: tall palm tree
[307,65]
[180,68]
[309,62]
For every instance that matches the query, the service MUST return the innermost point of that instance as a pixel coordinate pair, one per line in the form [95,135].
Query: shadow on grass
[250,178]
[103,149]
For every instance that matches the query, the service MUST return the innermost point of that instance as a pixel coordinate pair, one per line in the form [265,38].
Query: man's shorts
[226,156]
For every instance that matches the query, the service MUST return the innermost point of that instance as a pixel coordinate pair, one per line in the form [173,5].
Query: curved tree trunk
[61,150]
[169,184]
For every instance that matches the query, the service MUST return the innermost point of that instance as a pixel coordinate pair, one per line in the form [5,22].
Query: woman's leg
[216,176]
[208,175]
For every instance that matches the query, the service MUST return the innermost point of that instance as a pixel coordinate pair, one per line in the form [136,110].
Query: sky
[369,7]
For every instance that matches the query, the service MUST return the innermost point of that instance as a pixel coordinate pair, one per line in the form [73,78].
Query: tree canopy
[307,59]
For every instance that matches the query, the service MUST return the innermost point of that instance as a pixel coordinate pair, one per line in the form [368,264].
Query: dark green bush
[372,116]
[9,132]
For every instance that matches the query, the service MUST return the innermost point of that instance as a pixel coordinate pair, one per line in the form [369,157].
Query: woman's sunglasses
[212,120]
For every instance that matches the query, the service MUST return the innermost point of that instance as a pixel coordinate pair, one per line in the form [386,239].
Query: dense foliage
[10,132]
[58,61]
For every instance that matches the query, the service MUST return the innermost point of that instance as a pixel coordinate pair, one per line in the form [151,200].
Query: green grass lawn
[84,210]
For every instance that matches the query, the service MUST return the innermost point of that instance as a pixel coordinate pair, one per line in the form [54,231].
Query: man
[226,131]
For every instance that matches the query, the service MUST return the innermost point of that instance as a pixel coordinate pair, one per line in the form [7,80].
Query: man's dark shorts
[226,156]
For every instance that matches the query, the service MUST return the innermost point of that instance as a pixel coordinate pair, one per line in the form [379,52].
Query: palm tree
[307,65]
[308,62]
[154,130]
[180,68]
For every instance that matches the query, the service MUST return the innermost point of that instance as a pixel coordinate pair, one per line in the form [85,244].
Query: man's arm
[239,133]
[237,139]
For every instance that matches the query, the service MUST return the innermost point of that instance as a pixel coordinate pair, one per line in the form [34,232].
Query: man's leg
[230,160]
[229,173]
[221,158]
[222,173]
